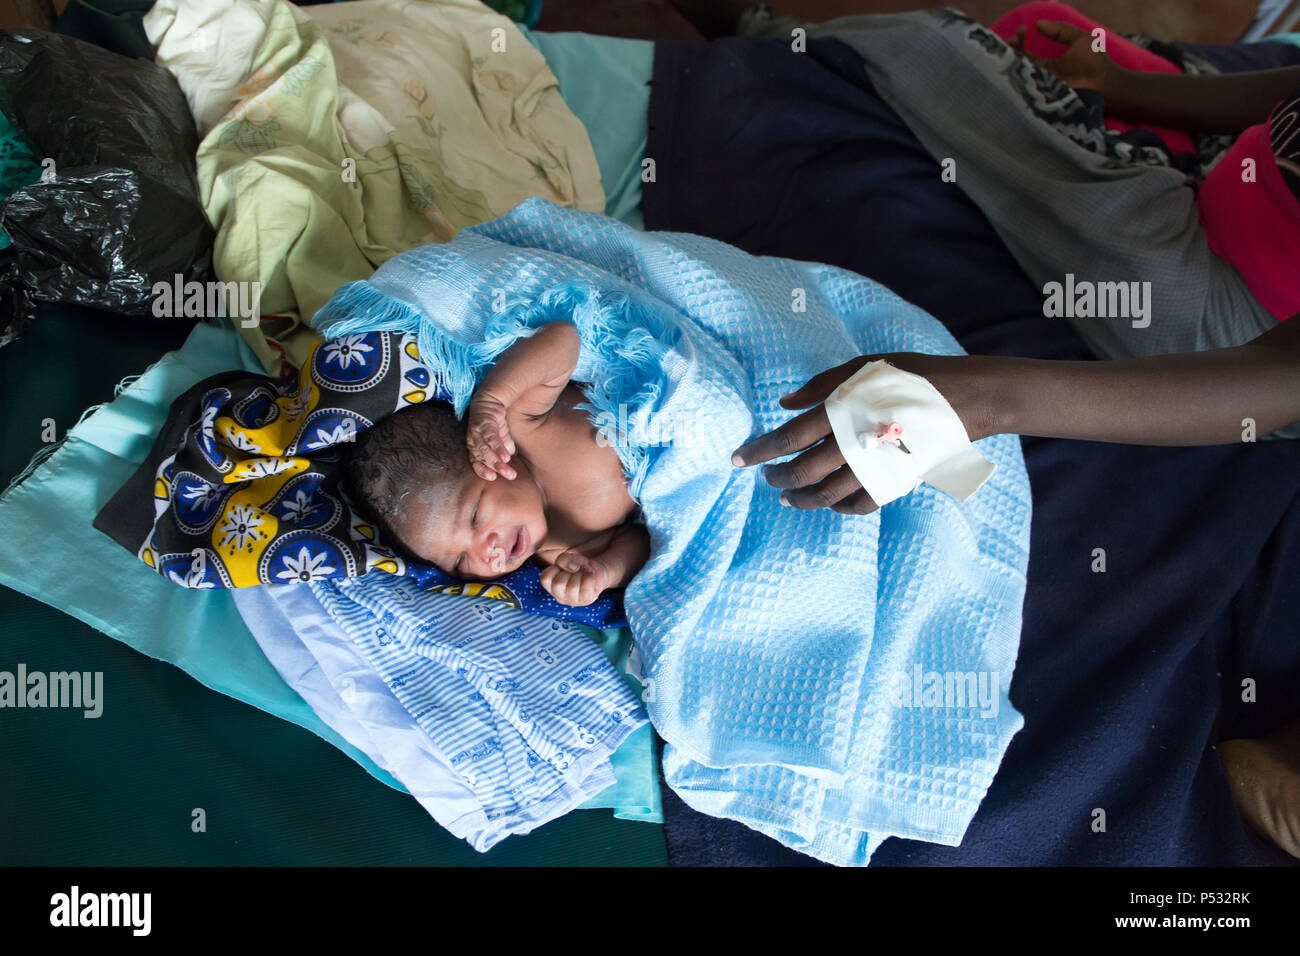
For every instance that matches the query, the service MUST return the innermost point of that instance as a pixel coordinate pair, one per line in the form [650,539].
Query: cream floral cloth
[334,141]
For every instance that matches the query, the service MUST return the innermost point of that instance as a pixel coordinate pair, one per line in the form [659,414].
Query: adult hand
[818,477]
[1080,66]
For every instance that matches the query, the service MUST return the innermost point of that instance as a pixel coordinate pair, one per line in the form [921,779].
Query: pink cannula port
[891,432]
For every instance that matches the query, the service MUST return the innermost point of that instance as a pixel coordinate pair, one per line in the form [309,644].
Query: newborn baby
[535,482]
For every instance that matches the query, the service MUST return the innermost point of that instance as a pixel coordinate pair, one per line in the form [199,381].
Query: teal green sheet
[18,166]
[604,80]
[84,573]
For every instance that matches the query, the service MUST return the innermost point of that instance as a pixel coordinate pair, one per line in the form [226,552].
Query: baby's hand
[575,579]
[488,437]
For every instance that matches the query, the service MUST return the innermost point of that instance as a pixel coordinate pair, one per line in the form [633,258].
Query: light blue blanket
[829,680]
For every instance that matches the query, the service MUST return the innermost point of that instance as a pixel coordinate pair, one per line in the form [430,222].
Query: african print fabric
[242,487]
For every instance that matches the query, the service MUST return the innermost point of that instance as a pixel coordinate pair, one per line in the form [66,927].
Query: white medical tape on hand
[932,445]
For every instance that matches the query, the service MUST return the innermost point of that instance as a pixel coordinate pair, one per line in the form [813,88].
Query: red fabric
[1124,52]
[1255,225]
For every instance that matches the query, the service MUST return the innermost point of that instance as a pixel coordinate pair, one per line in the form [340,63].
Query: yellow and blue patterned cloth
[242,487]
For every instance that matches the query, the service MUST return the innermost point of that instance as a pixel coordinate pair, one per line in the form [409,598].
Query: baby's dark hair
[420,445]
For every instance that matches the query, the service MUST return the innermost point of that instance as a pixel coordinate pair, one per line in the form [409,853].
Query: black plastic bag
[121,211]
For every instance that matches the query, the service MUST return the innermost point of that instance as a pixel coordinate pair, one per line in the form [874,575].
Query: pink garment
[1124,52]
[1255,225]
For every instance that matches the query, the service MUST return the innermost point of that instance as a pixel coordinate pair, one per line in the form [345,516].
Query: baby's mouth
[520,546]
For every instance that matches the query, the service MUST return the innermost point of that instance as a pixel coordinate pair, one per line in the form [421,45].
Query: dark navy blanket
[1127,678]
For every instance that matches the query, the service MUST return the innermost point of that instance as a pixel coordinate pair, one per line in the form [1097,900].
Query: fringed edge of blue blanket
[621,338]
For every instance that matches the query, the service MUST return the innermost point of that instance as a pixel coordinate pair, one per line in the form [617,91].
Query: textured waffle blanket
[829,680]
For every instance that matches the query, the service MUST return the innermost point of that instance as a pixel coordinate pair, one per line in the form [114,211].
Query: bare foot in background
[1264,775]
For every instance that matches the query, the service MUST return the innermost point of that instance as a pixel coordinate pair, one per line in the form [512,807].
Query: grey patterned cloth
[1066,195]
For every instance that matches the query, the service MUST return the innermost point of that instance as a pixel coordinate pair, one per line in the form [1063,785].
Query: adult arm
[1193,398]
[1216,103]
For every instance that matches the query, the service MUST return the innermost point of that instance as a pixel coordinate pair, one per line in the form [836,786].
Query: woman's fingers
[802,431]
[858,503]
[808,469]
[1017,43]
[1038,61]
[818,388]
[1060,31]
[827,493]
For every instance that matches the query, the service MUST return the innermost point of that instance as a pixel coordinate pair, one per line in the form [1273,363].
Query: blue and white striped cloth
[519,713]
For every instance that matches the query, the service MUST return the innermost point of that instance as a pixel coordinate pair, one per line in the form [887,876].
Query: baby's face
[475,528]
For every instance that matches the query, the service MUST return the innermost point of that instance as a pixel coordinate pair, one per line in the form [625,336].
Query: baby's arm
[524,384]
[577,576]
